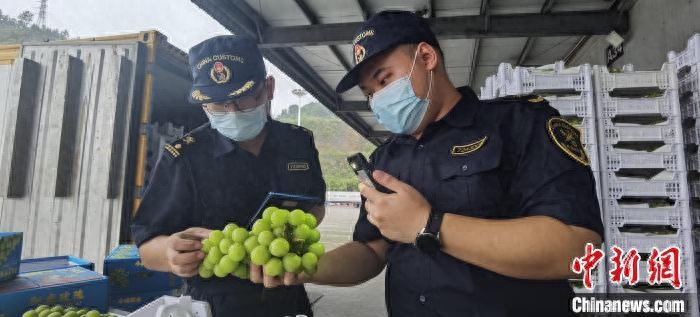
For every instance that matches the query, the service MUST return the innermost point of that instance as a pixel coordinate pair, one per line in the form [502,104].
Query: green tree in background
[22,30]
[335,140]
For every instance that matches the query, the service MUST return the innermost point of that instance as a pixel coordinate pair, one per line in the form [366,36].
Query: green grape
[260,255]
[207,264]
[229,229]
[292,263]
[260,226]
[239,235]
[41,308]
[297,217]
[237,252]
[219,272]
[45,313]
[57,308]
[205,272]
[93,313]
[82,311]
[302,232]
[241,272]
[70,314]
[267,213]
[250,243]
[206,245]
[227,265]
[314,236]
[279,247]
[55,314]
[311,220]
[30,313]
[318,249]
[265,238]
[224,245]
[279,218]
[215,255]
[309,261]
[279,232]
[215,236]
[273,267]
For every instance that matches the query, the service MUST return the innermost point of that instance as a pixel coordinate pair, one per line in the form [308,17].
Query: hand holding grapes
[183,251]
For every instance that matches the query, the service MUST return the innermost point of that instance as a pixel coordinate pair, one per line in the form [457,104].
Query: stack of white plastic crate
[645,186]
[688,73]
[570,91]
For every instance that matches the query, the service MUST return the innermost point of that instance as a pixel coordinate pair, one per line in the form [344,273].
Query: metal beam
[354,106]
[546,8]
[479,26]
[484,10]
[364,9]
[311,16]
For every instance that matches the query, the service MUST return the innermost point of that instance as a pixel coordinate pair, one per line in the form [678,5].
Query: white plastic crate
[690,56]
[618,215]
[617,187]
[559,79]
[690,105]
[644,243]
[588,131]
[690,83]
[630,79]
[666,105]
[695,215]
[691,135]
[670,159]
[668,132]
[490,88]
[694,188]
[579,105]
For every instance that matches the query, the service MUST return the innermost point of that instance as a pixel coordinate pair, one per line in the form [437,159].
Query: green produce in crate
[281,241]
[60,311]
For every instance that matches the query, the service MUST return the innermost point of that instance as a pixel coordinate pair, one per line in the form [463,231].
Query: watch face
[428,243]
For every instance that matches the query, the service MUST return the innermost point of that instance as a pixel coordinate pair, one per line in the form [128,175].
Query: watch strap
[434,222]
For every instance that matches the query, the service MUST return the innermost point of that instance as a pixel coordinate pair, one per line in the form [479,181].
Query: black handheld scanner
[364,169]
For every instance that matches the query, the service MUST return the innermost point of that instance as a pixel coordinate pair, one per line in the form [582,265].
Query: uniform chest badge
[568,139]
[460,150]
[297,166]
[219,73]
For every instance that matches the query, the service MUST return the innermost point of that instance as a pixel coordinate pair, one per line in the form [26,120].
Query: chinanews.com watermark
[662,271]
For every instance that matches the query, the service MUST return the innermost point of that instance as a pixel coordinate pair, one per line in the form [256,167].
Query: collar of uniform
[461,115]
[224,145]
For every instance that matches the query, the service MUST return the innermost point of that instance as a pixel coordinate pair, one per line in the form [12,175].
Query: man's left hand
[398,216]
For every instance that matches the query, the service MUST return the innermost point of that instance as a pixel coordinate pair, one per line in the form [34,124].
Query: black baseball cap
[225,67]
[381,32]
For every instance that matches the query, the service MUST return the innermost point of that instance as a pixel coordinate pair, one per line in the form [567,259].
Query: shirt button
[421,299]
[420,146]
[465,168]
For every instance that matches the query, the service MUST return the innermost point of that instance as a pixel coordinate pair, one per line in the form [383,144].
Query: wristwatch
[428,239]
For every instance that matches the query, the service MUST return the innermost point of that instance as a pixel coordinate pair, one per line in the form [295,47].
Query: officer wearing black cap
[221,172]
[490,201]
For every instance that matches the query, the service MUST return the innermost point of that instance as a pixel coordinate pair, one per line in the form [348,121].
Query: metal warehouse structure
[310,40]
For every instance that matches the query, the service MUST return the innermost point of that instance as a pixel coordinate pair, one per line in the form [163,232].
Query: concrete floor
[365,300]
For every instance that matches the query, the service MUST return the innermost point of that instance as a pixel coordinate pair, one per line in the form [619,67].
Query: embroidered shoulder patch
[176,147]
[568,139]
[459,150]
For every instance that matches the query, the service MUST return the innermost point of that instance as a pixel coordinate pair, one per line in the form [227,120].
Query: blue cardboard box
[73,286]
[128,276]
[53,263]
[10,254]
[132,302]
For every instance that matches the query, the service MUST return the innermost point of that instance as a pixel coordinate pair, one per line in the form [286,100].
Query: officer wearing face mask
[220,173]
[490,201]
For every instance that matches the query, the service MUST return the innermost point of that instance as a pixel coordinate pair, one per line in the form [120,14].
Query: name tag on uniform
[459,150]
[298,166]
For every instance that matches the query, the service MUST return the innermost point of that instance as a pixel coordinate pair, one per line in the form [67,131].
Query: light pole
[299,92]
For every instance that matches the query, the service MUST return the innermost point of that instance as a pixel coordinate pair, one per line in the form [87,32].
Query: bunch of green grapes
[59,311]
[7,245]
[282,241]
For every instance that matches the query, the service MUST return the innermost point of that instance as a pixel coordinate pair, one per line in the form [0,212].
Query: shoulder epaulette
[305,130]
[535,99]
[176,148]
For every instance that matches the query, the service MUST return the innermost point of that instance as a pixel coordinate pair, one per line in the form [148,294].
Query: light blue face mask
[397,107]
[240,126]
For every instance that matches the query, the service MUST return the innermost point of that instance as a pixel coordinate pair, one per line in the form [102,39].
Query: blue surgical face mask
[240,126]
[397,107]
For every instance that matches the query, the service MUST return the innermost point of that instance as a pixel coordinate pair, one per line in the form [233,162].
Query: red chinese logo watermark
[663,266]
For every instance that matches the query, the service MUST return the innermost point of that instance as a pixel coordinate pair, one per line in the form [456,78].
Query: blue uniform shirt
[207,180]
[499,160]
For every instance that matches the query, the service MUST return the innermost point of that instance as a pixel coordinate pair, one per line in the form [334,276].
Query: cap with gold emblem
[225,67]
[381,32]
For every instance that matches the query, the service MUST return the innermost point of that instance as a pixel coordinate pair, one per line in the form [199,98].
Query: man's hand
[183,251]
[398,216]
[257,276]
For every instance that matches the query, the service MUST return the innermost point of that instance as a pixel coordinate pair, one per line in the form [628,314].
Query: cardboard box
[132,302]
[74,286]
[10,254]
[127,276]
[53,263]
